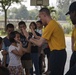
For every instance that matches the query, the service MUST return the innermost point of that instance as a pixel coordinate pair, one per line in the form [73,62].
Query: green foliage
[5,4]
[53,12]
[67,28]
[2,33]
[68,19]
[52,9]
[23,13]
[63,6]
[62,15]
[20,13]
[33,14]
[12,13]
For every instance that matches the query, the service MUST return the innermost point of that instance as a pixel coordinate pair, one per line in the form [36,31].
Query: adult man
[72,13]
[54,36]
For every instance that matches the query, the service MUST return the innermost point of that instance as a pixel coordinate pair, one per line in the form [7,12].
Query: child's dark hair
[4,71]
[34,24]
[21,23]
[39,21]
[10,25]
[12,36]
[1,40]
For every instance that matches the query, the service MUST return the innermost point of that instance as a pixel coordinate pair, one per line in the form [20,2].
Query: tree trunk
[5,18]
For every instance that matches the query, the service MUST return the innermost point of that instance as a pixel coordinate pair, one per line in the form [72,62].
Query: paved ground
[68,48]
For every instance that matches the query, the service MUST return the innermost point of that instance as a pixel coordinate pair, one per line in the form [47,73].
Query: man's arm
[38,42]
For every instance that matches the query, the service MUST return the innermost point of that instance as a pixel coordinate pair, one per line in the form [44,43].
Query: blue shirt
[6,44]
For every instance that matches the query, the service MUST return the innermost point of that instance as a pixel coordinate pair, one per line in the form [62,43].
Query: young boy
[26,58]
[6,44]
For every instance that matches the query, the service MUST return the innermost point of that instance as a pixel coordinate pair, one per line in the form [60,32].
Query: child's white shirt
[15,60]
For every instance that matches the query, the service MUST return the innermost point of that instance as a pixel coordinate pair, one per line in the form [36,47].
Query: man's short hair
[46,10]
[21,23]
[10,25]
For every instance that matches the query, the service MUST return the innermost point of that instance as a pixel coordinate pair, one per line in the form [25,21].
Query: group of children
[18,53]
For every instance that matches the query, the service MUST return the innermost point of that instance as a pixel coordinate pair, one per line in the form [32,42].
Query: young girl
[15,52]
[34,48]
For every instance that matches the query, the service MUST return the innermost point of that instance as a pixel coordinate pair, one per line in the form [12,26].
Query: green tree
[12,13]
[61,15]
[53,12]
[18,13]
[63,6]
[5,4]
[22,13]
[33,14]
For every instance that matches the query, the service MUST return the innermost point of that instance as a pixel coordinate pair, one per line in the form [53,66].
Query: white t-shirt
[14,59]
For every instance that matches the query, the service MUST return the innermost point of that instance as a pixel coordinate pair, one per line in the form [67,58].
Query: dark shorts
[27,64]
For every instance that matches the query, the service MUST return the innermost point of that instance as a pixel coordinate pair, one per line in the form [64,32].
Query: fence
[15,22]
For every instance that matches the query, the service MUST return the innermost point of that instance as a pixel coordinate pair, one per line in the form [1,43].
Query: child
[6,44]
[35,49]
[15,52]
[26,58]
